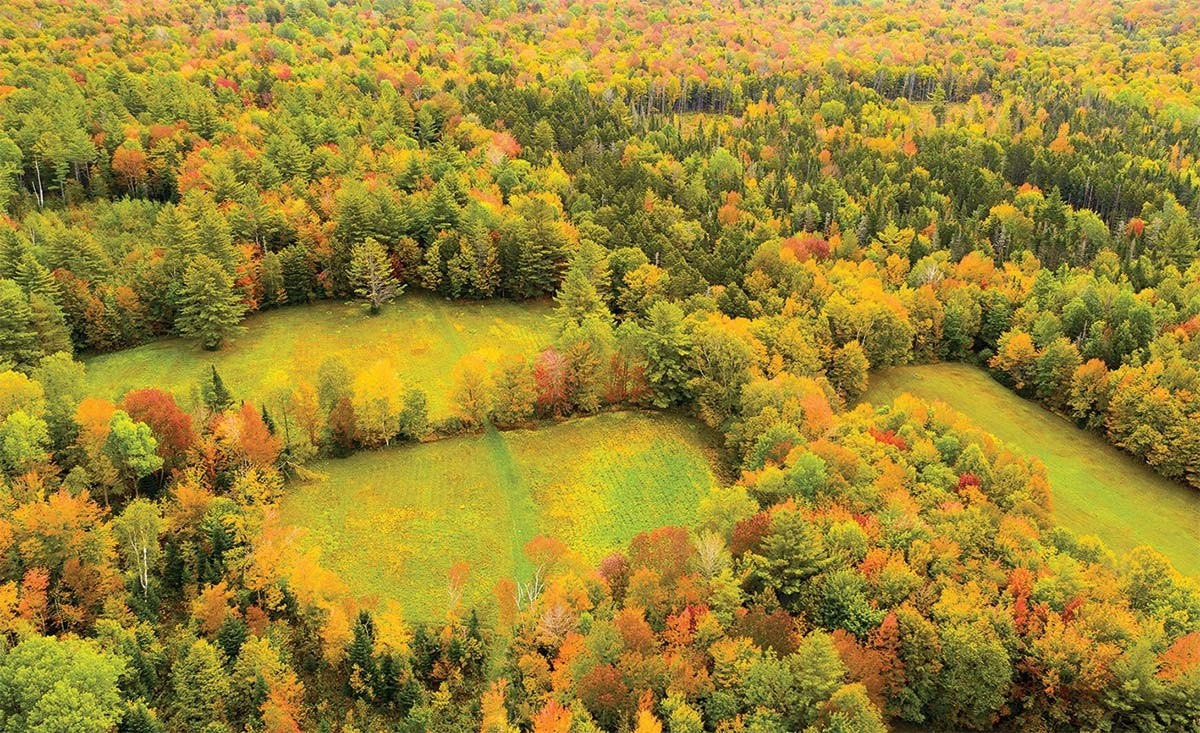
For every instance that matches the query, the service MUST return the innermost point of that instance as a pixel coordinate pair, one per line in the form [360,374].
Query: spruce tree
[209,310]
[297,274]
[50,325]
[200,687]
[216,395]
[361,656]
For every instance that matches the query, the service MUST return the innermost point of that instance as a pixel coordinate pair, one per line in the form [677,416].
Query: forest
[505,365]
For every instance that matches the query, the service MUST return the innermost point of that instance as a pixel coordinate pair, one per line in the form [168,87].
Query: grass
[390,523]
[421,336]
[1096,488]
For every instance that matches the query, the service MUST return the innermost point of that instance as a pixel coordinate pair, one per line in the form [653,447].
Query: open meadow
[1097,489]
[392,522]
[421,336]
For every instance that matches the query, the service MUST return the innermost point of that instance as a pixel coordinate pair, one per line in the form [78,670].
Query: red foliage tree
[774,630]
[615,571]
[551,374]
[889,437]
[749,533]
[170,424]
[605,695]
[665,549]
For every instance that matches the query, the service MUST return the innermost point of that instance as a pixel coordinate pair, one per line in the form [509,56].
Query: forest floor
[421,336]
[392,522]
[1096,488]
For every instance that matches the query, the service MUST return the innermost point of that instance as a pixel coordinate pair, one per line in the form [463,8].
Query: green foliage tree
[848,370]
[793,553]
[51,686]
[24,440]
[132,448]
[62,379]
[210,310]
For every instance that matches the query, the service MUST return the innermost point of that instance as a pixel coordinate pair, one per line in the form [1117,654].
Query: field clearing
[420,335]
[1096,488]
[392,522]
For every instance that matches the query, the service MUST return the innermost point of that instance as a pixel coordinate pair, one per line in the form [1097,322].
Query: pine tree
[18,337]
[213,235]
[485,261]
[938,98]
[430,269]
[49,324]
[273,287]
[667,346]
[34,277]
[209,310]
[371,274]
[578,299]
[443,211]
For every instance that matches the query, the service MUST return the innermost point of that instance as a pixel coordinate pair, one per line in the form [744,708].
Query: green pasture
[392,522]
[1096,488]
[421,336]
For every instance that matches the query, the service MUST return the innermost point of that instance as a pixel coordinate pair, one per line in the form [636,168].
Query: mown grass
[422,337]
[391,523]
[1096,488]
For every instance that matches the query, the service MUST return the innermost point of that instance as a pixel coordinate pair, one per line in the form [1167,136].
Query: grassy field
[1097,489]
[422,336]
[392,522]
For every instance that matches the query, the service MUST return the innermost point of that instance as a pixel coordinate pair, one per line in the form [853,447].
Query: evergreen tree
[274,290]
[361,657]
[216,395]
[199,686]
[578,300]
[18,336]
[139,719]
[667,345]
[49,323]
[210,310]
[297,274]
[443,212]
[430,269]
[34,277]
[539,245]
[371,274]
